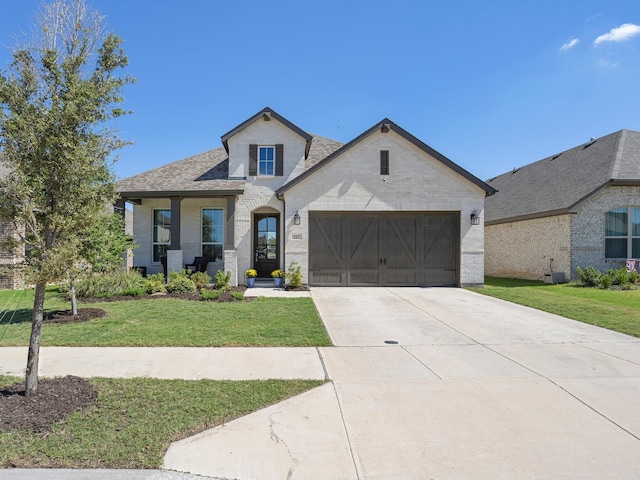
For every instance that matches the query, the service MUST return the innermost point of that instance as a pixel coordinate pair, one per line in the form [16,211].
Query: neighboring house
[383,209]
[9,276]
[577,208]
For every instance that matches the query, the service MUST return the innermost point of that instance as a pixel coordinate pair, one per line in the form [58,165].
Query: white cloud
[620,34]
[569,45]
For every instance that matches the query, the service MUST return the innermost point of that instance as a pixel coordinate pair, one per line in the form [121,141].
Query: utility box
[554,277]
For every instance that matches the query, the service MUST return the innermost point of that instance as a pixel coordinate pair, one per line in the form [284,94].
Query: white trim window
[622,233]
[213,234]
[266,161]
[161,233]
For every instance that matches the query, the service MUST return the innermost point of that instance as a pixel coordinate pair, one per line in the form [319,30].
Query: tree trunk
[31,380]
[74,302]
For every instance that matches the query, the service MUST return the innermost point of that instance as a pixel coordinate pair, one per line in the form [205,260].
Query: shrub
[237,295]
[107,285]
[201,279]
[634,277]
[155,283]
[223,280]
[179,282]
[589,277]
[620,275]
[606,281]
[210,295]
[294,275]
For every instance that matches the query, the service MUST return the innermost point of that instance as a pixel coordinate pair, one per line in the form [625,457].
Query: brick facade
[350,182]
[416,183]
[524,249]
[10,277]
[588,227]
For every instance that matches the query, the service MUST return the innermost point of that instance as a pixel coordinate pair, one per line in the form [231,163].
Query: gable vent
[384,162]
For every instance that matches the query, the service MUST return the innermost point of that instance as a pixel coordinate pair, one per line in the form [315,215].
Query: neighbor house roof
[204,174]
[386,125]
[559,183]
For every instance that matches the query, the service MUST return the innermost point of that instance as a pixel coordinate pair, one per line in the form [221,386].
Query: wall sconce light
[296,219]
[475,219]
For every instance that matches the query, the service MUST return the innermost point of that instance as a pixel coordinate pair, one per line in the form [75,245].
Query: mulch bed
[53,401]
[84,315]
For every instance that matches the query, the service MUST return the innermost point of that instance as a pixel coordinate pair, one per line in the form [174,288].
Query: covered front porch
[173,231]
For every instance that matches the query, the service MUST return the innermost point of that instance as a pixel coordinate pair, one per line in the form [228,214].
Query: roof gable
[267,114]
[386,125]
[559,183]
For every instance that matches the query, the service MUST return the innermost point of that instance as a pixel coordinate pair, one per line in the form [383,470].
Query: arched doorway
[266,241]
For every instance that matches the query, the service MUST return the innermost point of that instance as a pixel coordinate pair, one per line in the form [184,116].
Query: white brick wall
[524,249]
[417,182]
[352,182]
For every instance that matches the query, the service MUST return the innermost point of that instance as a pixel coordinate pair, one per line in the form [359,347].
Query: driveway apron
[443,384]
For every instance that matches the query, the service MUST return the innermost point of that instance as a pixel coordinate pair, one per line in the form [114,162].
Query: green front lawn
[122,429]
[170,322]
[613,309]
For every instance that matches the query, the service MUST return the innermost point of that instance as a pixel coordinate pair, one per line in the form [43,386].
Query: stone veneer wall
[588,226]
[524,249]
[9,277]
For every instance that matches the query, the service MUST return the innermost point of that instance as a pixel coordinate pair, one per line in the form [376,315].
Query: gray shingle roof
[205,174]
[557,184]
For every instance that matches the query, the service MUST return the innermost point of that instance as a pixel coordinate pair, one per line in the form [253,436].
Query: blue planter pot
[251,282]
[278,281]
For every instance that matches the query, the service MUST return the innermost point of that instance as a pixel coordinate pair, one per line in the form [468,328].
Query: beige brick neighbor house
[577,208]
[10,275]
[383,209]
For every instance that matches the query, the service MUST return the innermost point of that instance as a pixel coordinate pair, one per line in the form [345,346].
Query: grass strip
[174,322]
[135,420]
[617,310]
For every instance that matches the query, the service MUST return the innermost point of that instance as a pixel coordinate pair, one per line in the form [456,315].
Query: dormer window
[266,160]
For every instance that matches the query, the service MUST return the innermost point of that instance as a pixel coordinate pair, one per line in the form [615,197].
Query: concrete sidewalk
[190,363]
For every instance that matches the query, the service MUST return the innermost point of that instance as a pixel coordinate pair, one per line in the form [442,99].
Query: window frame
[272,162]
[628,238]
[222,227]
[154,242]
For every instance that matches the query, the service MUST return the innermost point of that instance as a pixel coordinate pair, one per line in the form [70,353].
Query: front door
[266,243]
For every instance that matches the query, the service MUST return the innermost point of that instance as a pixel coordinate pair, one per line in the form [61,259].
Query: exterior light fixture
[475,219]
[296,219]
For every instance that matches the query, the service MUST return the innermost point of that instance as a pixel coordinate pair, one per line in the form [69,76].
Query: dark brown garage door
[383,249]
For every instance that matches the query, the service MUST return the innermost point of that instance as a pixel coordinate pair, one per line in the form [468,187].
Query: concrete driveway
[474,388]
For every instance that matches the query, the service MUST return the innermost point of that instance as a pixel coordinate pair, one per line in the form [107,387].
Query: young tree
[101,248]
[57,99]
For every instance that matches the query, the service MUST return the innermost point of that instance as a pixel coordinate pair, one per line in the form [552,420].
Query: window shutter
[253,160]
[384,162]
[279,160]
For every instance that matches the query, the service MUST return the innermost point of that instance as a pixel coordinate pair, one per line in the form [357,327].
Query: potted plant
[278,277]
[251,275]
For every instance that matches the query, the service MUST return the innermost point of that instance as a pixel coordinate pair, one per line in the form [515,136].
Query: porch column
[175,223]
[175,262]
[230,256]
[229,231]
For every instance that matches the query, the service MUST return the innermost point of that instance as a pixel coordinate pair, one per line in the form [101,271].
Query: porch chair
[199,264]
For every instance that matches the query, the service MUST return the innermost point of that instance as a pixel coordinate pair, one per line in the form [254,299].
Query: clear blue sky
[492,85]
